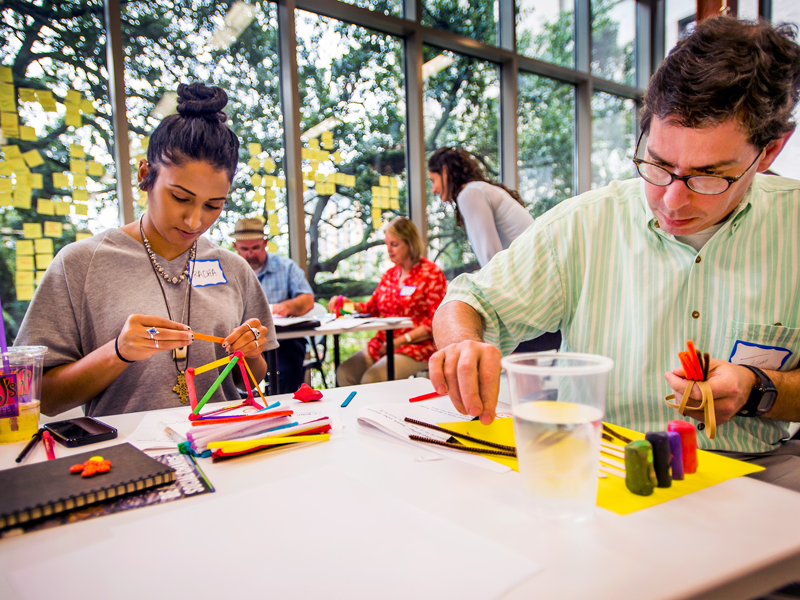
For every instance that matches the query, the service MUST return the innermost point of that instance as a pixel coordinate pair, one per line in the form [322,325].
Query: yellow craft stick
[213,365]
[255,384]
[244,445]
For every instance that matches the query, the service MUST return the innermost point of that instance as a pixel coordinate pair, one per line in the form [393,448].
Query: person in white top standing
[492,214]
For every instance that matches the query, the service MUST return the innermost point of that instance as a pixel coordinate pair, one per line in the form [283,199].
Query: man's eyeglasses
[710,185]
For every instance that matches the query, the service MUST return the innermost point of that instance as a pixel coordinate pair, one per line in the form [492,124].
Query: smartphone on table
[80,431]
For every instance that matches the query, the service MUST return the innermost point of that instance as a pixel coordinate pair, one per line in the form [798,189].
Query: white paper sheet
[317,535]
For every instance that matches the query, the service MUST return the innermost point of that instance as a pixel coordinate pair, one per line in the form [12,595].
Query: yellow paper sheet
[24,263]
[77,166]
[31,231]
[80,195]
[11,151]
[61,208]
[78,180]
[36,181]
[76,151]
[612,493]
[43,261]
[268,164]
[27,95]
[254,149]
[81,210]
[23,278]
[45,207]
[24,293]
[43,245]
[254,164]
[73,120]
[95,169]
[60,180]
[39,275]
[53,228]
[87,107]
[6,185]
[27,134]
[6,199]
[24,247]
[82,235]
[33,159]
[5,169]
[22,198]
[272,247]
[6,75]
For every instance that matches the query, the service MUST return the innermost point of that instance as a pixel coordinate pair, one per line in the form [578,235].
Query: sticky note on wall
[43,261]
[43,245]
[24,293]
[53,229]
[33,158]
[24,247]
[24,263]
[31,231]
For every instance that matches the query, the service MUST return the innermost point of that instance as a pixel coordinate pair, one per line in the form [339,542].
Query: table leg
[335,358]
[273,388]
[390,355]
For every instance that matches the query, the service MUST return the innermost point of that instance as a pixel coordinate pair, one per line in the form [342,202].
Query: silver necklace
[159,269]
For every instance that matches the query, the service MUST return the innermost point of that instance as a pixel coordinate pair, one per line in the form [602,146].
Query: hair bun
[200,100]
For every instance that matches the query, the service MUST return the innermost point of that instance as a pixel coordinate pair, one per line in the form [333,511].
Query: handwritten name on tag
[771,358]
[407,290]
[207,272]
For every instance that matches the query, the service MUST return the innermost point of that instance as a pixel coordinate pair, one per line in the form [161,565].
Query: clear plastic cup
[558,402]
[26,362]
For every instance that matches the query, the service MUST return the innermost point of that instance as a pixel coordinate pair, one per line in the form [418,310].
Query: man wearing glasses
[702,247]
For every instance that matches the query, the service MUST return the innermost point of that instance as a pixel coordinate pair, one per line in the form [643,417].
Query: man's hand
[470,372]
[730,384]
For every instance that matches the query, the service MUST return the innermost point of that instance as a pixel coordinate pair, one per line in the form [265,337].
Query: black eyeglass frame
[686,179]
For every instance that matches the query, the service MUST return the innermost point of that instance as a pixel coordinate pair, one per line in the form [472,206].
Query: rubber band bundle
[695,366]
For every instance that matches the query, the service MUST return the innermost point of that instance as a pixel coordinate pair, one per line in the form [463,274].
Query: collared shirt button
[695,314]
[778,324]
[697,260]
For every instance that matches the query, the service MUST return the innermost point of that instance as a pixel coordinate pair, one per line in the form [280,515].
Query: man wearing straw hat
[702,247]
[287,291]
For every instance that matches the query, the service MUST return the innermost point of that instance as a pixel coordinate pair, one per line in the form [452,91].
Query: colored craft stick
[698,366]
[425,397]
[217,383]
[249,399]
[189,374]
[237,419]
[702,364]
[203,475]
[239,446]
[208,338]
[706,365]
[688,367]
[255,383]
[350,396]
[212,365]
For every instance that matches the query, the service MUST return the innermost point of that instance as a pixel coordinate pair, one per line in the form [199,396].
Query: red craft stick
[425,397]
[686,363]
[698,368]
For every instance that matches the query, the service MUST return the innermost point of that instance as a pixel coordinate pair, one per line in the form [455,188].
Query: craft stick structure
[696,366]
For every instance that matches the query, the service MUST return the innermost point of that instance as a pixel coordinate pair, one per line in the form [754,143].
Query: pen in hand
[30,445]
[49,445]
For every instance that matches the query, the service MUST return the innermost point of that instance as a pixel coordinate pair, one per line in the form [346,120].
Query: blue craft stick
[347,401]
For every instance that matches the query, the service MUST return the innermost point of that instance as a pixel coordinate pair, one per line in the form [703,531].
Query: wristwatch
[762,397]
[407,338]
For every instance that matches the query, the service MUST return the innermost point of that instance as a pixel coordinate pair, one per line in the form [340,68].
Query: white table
[732,541]
[328,328]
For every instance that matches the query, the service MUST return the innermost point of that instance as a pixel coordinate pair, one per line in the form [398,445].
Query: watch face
[767,401]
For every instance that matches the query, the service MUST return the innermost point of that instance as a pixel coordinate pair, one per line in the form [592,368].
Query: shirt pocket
[771,347]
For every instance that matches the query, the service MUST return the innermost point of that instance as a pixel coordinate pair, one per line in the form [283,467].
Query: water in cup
[557,450]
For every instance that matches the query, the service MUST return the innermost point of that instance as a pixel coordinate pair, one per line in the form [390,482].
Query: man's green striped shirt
[598,268]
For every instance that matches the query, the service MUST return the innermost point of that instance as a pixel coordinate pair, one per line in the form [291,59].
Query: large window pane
[612,138]
[613,39]
[56,172]
[353,119]
[387,7]
[788,161]
[461,109]
[546,30]
[476,19]
[680,15]
[233,46]
[546,142]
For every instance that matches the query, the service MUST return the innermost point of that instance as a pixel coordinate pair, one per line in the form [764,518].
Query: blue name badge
[207,272]
[771,358]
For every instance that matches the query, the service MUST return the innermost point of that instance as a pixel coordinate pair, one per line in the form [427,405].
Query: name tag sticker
[407,290]
[771,358]
[207,272]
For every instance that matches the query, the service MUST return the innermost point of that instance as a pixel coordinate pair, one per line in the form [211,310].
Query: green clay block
[640,474]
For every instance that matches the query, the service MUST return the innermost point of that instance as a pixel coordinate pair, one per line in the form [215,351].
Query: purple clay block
[661,457]
[676,449]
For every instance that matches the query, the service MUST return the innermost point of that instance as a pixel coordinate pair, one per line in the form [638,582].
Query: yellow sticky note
[394,204]
[255,180]
[60,180]
[45,98]
[9,126]
[384,181]
[376,217]
[81,210]
[79,180]
[6,199]
[394,192]
[45,207]
[280,183]
[74,96]
[6,185]
[33,158]
[31,231]
[7,104]
[53,229]
[43,261]
[254,149]
[22,179]
[27,95]
[24,263]
[22,198]
[24,247]
[5,168]
[77,166]
[61,208]
[43,245]
[7,91]
[23,278]
[272,219]
[80,195]
[36,181]
[270,204]
[24,293]
[254,164]
[6,75]
[337,157]
[87,107]
[95,169]
[393,181]
[268,164]
[319,176]
[73,120]
[39,275]
[27,133]
[76,151]
[11,151]
[272,247]
[82,235]
[313,144]
[273,230]
[18,165]
[305,153]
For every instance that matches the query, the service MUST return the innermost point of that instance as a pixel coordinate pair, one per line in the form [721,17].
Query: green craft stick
[640,474]
[216,384]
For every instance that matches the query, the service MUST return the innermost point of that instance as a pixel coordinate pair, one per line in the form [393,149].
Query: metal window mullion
[508,134]
[642,59]
[658,33]
[416,170]
[412,10]
[583,136]
[115,59]
[290,107]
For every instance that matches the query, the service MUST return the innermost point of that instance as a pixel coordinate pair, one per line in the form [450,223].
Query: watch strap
[750,409]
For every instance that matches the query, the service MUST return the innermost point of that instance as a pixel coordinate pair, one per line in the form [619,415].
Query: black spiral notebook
[47,488]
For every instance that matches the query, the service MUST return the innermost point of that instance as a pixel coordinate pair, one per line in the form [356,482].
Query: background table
[734,540]
[325,329]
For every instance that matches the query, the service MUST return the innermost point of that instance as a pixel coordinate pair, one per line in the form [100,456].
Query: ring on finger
[256,332]
[155,342]
[153,332]
[255,342]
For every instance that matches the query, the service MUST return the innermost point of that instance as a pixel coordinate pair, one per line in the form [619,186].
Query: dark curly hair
[462,168]
[729,69]
[197,133]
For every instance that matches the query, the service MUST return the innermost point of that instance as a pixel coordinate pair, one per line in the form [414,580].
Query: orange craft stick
[698,368]
[688,367]
[208,338]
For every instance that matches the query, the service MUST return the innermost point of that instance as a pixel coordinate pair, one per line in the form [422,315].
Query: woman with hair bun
[492,214]
[117,311]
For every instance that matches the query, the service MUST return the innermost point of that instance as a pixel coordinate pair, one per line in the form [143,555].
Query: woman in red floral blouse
[413,288]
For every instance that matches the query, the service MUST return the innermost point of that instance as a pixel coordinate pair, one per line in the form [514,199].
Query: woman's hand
[248,338]
[142,336]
